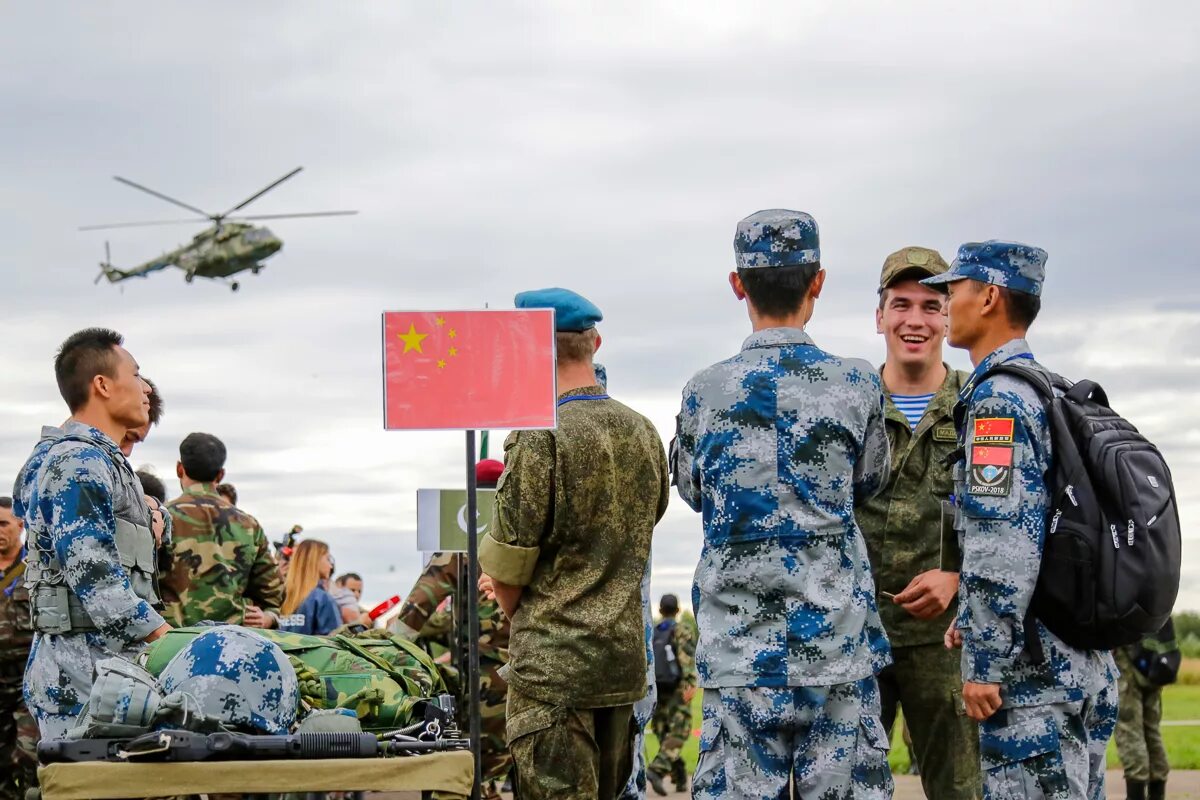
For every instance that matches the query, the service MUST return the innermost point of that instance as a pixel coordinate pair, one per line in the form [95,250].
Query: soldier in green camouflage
[420,620]
[914,556]
[675,674]
[575,511]
[220,565]
[18,730]
[1139,719]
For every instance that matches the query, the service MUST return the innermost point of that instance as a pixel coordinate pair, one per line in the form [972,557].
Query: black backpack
[666,664]
[1110,566]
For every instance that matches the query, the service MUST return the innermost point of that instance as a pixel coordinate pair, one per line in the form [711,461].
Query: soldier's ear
[735,283]
[220,476]
[879,320]
[179,473]
[818,282]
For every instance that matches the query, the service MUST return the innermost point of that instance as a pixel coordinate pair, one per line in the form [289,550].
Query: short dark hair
[349,576]
[1021,307]
[5,502]
[152,485]
[778,291]
[156,402]
[228,491]
[84,355]
[202,456]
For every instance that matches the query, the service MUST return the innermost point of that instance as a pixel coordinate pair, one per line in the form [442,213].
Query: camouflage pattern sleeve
[436,583]
[524,505]
[874,464]
[1003,529]
[75,496]
[685,653]
[684,470]
[265,587]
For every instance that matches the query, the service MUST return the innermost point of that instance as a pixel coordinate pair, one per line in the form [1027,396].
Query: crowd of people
[872,539]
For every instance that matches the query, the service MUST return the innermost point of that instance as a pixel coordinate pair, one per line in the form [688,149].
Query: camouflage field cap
[776,238]
[572,311]
[909,263]
[1016,266]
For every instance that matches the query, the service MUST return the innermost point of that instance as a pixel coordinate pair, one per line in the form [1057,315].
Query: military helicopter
[230,246]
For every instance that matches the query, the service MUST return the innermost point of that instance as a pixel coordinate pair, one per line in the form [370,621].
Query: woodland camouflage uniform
[220,561]
[420,620]
[672,721]
[18,730]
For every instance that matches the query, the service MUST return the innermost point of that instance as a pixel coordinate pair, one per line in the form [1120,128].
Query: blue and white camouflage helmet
[238,677]
[1013,265]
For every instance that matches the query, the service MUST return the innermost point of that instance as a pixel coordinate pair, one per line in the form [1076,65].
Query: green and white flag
[442,518]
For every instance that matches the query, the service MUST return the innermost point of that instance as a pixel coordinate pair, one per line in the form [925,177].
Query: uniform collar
[203,490]
[1009,351]
[584,391]
[776,337]
[941,404]
[51,432]
[95,435]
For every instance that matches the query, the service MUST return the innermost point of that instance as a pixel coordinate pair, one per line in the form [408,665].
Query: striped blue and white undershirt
[912,406]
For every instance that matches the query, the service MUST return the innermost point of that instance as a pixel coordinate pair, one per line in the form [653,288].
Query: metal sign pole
[473,613]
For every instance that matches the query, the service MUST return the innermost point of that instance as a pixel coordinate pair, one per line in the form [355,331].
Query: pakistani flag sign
[442,518]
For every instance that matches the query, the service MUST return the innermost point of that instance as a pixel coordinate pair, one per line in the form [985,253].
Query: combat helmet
[237,677]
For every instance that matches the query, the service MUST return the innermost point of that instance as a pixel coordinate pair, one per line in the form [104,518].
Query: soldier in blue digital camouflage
[1046,709]
[776,446]
[91,572]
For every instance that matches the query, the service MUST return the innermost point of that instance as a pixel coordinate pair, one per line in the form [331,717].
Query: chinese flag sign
[468,370]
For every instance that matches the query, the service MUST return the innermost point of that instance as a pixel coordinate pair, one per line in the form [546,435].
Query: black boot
[655,780]
[1158,790]
[1135,790]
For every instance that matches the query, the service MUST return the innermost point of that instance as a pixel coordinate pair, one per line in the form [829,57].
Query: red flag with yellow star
[468,370]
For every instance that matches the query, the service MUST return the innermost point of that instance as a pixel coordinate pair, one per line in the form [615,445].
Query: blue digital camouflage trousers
[1052,751]
[827,739]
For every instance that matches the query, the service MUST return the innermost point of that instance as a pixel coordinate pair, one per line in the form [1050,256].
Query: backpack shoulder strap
[1042,382]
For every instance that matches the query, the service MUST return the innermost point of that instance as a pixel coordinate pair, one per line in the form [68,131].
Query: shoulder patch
[990,470]
[945,433]
[994,430]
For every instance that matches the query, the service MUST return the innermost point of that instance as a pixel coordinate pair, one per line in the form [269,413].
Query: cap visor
[945,277]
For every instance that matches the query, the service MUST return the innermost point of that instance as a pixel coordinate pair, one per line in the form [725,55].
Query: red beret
[487,472]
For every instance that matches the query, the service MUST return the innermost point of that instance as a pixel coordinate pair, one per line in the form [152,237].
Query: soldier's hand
[981,700]
[486,588]
[688,693]
[929,594]
[157,523]
[953,637]
[253,617]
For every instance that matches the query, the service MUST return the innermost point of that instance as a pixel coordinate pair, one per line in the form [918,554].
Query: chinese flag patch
[990,470]
[994,430]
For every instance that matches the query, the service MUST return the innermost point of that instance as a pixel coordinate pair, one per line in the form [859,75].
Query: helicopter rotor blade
[162,196]
[143,224]
[260,193]
[290,216]
[107,254]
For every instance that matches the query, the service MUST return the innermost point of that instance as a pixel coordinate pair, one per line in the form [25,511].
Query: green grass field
[1180,702]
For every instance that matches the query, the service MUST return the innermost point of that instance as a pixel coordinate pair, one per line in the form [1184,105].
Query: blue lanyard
[562,400]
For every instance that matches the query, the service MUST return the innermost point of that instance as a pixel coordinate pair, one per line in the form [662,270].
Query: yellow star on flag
[453,334]
[440,321]
[441,364]
[412,339]
[453,351]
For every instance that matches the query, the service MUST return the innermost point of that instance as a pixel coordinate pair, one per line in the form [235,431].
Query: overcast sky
[606,147]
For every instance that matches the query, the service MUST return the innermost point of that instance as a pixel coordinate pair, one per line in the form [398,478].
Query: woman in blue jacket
[307,607]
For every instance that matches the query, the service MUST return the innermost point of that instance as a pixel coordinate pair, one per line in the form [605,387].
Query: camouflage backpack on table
[382,677]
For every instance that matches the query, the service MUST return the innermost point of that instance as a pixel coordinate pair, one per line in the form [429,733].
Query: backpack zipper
[1129,533]
[1116,537]
[1071,495]
[1054,521]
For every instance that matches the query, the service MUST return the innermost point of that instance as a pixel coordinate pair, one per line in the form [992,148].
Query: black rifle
[174,745]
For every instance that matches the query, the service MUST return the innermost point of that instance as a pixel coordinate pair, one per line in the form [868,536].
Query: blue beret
[1016,266]
[572,312]
[776,238]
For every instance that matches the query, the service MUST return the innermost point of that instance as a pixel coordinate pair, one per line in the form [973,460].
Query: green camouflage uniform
[672,720]
[905,537]
[419,620]
[575,511]
[1139,717]
[219,561]
[18,730]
